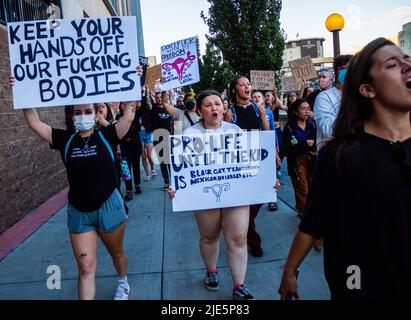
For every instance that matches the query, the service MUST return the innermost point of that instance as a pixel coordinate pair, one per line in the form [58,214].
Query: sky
[166,21]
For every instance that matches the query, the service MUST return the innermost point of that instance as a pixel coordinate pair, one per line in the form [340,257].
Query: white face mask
[84,122]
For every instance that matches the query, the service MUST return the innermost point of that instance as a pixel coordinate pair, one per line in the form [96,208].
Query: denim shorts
[146,137]
[108,218]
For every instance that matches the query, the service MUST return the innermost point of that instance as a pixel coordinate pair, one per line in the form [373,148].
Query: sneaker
[242,293]
[153,173]
[129,196]
[211,281]
[138,190]
[147,178]
[122,291]
[256,252]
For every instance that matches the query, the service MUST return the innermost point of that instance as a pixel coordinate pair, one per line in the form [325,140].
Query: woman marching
[95,207]
[359,201]
[232,221]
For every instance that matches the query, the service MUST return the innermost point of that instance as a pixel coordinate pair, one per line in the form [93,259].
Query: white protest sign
[222,170]
[179,64]
[79,61]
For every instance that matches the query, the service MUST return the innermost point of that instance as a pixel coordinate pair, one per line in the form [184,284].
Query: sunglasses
[399,153]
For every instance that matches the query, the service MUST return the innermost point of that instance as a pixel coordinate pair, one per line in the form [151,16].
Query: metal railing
[24,10]
[114,4]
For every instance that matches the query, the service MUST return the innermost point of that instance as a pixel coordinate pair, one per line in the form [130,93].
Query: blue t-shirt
[300,146]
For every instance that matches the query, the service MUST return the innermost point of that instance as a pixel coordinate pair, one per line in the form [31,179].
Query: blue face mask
[341,76]
[84,122]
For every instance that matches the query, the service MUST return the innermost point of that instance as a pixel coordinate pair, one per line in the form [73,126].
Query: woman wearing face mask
[359,200]
[95,207]
[328,102]
[182,118]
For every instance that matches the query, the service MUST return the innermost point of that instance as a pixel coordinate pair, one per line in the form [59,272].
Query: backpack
[102,138]
[257,113]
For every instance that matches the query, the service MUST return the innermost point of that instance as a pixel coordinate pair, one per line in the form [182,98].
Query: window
[24,10]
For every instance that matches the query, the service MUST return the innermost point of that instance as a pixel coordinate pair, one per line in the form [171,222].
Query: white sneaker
[153,173]
[147,178]
[122,291]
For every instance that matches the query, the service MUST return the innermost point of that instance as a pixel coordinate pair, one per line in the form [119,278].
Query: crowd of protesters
[347,147]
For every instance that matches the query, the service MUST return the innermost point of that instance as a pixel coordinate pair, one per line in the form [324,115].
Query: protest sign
[288,84]
[79,61]
[262,80]
[179,63]
[222,170]
[153,74]
[303,69]
[143,62]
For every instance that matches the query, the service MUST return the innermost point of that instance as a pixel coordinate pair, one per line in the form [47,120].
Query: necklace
[86,148]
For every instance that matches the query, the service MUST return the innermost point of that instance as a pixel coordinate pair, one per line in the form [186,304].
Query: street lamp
[335,23]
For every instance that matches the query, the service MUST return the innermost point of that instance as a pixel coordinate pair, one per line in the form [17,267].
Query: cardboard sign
[288,84]
[303,69]
[222,170]
[153,74]
[262,80]
[74,61]
[179,64]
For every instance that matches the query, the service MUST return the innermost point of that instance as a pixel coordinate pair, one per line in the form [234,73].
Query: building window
[402,43]
[24,10]
[114,5]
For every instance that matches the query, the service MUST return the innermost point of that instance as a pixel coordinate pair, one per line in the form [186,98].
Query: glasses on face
[399,153]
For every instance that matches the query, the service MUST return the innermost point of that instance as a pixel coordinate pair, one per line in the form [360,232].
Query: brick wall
[30,172]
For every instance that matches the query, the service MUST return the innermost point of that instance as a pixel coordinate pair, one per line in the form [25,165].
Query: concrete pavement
[164,259]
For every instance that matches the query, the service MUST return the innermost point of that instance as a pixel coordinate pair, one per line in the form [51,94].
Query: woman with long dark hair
[299,148]
[359,201]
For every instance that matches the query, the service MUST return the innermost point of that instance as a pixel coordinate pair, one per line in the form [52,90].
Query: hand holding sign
[84,61]
[179,63]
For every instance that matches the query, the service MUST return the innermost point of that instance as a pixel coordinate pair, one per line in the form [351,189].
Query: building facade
[296,49]
[404,38]
[31,173]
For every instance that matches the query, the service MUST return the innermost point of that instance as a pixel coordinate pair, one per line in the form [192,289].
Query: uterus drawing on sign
[217,190]
[180,65]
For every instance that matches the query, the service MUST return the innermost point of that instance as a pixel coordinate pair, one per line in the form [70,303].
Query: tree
[247,32]
[216,73]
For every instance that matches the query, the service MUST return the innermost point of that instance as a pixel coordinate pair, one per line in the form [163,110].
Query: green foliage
[216,73]
[247,32]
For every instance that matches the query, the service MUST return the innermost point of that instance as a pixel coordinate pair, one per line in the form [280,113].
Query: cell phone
[289,296]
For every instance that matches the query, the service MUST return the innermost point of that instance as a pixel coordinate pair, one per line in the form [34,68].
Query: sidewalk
[164,259]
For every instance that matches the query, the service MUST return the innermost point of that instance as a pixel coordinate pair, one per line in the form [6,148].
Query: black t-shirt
[311,98]
[363,213]
[276,114]
[246,117]
[91,173]
[161,119]
[135,128]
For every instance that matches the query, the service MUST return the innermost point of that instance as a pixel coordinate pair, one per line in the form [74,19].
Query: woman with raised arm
[95,207]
